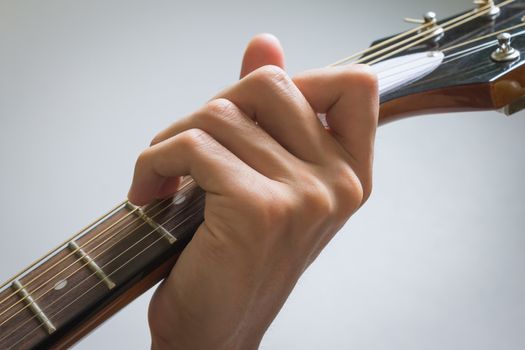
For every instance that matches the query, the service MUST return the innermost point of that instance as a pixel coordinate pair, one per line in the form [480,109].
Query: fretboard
[109,263]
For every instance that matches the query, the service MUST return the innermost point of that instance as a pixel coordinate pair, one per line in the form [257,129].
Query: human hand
[278,187]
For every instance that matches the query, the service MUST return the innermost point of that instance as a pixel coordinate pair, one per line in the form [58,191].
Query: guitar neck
[93,275]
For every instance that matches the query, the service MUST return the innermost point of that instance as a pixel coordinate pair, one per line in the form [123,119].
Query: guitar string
[73,252]
[483,37]
[483,29]
[354,56]
[124,202]
[112,211]
[381,44]
[193,205]
[36,262]
[453,57]
[468,15]
[423,36]
[93,274]
[433,35]
[82,246]
[84,264]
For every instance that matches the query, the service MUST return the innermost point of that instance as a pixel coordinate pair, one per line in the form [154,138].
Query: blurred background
[434,260]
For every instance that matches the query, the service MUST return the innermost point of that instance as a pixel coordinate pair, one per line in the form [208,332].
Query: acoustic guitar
[471,61]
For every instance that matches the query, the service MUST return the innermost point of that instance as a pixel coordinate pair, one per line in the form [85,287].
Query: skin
[278,187]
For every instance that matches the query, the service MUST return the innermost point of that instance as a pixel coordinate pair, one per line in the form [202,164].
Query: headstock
[475,70]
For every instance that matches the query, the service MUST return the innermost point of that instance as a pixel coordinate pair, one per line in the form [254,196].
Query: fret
[91,264]
[165,233]
[119,251]
[18,320]
[33,306]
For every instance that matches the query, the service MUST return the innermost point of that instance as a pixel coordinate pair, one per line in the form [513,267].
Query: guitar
[461,63]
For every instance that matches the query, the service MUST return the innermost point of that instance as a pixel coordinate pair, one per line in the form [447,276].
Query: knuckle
[274,210]
[157,139]
[367,189]
[365,77]
[143,158]
[193,139]
[350,192]
[271,76]
[219,111]
[317,198]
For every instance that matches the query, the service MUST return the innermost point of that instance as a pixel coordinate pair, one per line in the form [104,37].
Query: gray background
[434,260]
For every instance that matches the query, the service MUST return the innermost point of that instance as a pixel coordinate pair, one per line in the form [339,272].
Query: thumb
[262,50]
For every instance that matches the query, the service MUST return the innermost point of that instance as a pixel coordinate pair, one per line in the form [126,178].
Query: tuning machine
[429,24]
[505,52]
[493,10]
[514,107]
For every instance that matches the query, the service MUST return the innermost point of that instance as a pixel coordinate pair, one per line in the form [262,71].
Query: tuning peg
[429,17]
[514,107]
[494,10]
[505,52]
[431,25]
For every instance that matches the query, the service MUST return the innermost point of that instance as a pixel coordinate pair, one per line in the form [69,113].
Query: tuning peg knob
[429,17]
[429,24]
[505,52]
[494,10]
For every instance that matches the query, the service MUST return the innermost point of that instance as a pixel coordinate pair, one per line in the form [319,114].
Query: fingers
[229,126]
[348,95]
[194,153]
[262,50]
[269,96]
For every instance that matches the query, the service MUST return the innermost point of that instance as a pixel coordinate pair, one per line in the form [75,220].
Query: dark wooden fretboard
[97,273]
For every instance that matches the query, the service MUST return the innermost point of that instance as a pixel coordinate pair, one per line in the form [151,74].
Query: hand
[278,187]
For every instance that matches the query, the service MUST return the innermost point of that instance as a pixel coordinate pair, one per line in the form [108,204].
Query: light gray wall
[434,261]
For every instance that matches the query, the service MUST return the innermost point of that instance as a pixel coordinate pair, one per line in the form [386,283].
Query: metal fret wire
[56,249]
[109,275]
[84,264]
[478,12]
[71,253]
